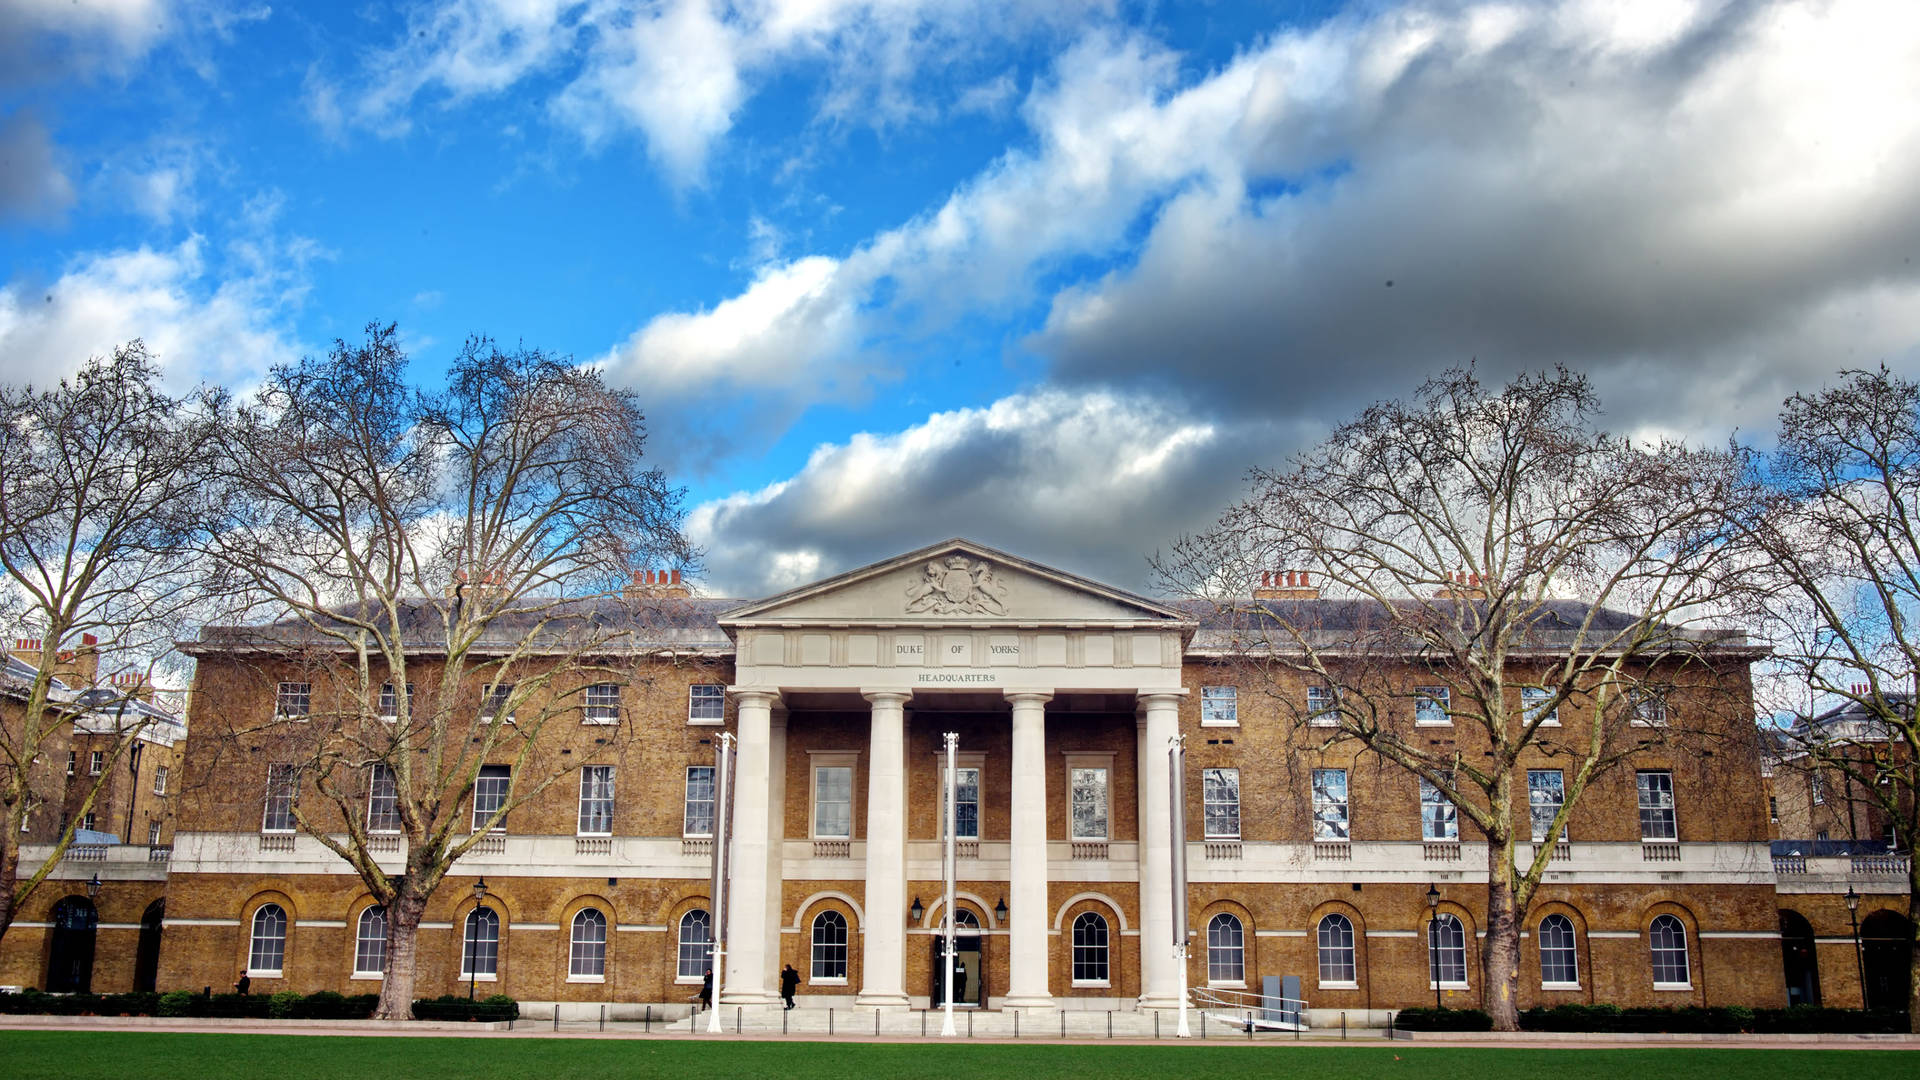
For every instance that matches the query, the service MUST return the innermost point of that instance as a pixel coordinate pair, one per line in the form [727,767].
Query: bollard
[556,1016]
[737,1010]
[923,1023]
[876,1023]
[969,1025]
[829,1020]
[1016,1023]
[1156,1023]
[1063,1023]
[1249,1025]
[646,1025]
[783,1020]
[1109,1023]
[1203,1023]
[603,1017]
[1343,1025]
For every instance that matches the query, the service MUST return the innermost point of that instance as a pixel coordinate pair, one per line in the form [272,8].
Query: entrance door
[146,960]
[70,959]
[969,972]
[1886,947]
[1796,953]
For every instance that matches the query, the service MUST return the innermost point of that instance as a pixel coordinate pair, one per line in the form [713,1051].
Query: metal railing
[1250,1010]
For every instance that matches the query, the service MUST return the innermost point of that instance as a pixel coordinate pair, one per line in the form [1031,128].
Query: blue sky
[1051,276]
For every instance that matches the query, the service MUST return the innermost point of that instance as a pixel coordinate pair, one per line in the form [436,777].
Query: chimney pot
[89,639]
[676,576]
[1304,583]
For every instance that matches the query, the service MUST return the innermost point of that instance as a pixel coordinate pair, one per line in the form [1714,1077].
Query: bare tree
[1834,570]
[103,493]
[439,563]
[1496,558]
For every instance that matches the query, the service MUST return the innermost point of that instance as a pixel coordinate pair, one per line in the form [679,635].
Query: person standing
[789,982]
[706,989]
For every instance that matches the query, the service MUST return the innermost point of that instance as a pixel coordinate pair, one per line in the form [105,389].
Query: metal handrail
[1258,1008]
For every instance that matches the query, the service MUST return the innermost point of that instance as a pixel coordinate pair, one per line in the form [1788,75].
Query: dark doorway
[70,959]
[1796,953]
[969,973]
[146,961]
[1886,945]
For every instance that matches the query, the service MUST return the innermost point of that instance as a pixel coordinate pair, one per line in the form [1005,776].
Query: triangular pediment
[954,582]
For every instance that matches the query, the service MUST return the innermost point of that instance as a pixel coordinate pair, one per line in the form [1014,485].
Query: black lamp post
[1433,940]
[1859,960]
[473,941]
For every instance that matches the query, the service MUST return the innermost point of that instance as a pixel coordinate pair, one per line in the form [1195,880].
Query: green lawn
[78,1055]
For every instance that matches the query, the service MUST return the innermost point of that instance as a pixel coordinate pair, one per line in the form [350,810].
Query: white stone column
[746,977]
[1027,902]
[1159,975]
[884,937]
[776,837]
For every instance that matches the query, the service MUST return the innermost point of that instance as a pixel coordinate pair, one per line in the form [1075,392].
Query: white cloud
[1044,474]
[200,325]
[680,71]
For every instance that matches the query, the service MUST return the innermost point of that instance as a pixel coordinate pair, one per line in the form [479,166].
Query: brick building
[1301,861]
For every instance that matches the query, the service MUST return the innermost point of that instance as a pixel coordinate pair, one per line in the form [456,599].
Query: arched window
[696,944]
[1089,948]
[269,948]
[1559,961]
[481,956]
[830,945]
[370,942]
[1447,951]
[1669,940]
[1336,950]
[588,956]
[1226,950]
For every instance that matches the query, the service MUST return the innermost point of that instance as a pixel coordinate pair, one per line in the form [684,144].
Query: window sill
[366,976]
[468,976]
[1219,723]
[1673,986]
[1093,983]
[1449,986]
[586,978]
[818,981]
[1559,986]
[687,980]
[615,722]
[706,723]
[255,973]
[1432,723]
[1227,984]
[1323,723]
[1338,986]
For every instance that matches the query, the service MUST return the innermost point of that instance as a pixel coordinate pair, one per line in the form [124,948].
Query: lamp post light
[1000,911]
[1859,959]
[915,912]
[1433,940]
[473,939]
[93,888]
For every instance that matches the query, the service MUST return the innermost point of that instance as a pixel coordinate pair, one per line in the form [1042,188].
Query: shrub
[282,1005]
[1424,1019]
[176,1003]
[452,1007]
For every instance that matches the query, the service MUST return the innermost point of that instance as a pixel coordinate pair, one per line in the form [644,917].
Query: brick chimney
[1286,585]
[1462,586]
[648,584]
[75,667]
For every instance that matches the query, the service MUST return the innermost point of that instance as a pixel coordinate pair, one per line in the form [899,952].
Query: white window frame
[278,941]
[1095,762]
[594,796]
[87,820]
[1233,954]
[977,762]
[491,771]
[470,942]
[1535,830]
[1436,922]
[1432,705]
[587,952]
[1345,803]
[160,774]
[281,777]
[1531,698]
[362,943]
[1350,949]
[497,696]
[1104,948]
[73,761]
[1654,950]
[390,702]
[844,945]
[1671,809]
[291,695]
[689,802]
[1212,795]
[96,763]
[707,704]
[375,798]
[1439,816]
[1219,706]
[1323,707]
[153,832]
[703,959]
[1572,948]
[1648,705]
[833,760]
[600,703]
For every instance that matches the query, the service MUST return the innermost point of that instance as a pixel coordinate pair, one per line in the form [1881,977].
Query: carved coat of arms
[957,586]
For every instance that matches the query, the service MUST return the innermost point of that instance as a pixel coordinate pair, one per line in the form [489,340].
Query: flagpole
[952,816]
[721,808]
[1177,815]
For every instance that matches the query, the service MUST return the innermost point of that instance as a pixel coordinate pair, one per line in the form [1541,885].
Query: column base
[1158,1001]
[1027,1002]
[880,1000]
[749,997]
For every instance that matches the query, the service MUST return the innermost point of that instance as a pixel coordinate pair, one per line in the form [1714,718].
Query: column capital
[888,697]
[755,695]
[1029,697]
[1157,697]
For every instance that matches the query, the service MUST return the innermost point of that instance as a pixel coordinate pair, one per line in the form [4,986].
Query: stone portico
[951,629]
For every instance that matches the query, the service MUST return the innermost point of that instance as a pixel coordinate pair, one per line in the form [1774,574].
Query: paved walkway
[533,1029]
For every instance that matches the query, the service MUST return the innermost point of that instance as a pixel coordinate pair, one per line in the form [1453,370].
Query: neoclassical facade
[1303,860]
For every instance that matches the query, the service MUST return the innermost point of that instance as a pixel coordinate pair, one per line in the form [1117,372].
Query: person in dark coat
[789,982]
[244,984]
[959,981]
[706,989]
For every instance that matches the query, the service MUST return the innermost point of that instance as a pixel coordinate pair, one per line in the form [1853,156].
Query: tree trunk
[1913,943]
[1500,952]
[403,932]
[9,879]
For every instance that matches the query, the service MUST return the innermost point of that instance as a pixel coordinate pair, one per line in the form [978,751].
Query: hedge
[1424,1019]
[453,1007]
[1727,1019]
[324,1005]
